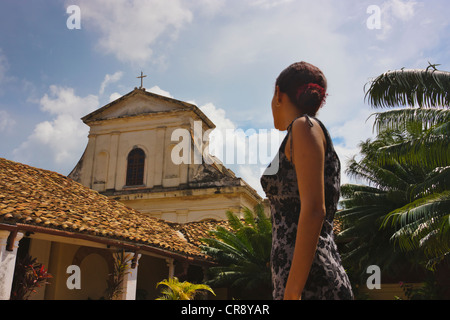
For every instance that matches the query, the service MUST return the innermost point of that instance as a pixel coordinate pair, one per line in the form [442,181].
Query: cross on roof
[142,79]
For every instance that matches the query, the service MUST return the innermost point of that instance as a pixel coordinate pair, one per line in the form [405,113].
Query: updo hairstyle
[305,86]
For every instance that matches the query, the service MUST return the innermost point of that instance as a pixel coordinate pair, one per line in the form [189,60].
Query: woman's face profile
[276,112]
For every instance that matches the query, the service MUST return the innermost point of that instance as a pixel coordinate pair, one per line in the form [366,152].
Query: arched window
[135,167]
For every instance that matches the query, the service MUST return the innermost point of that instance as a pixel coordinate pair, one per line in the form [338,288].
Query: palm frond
[249,216]
[233,220]
[347,190]
[264,224]
[410,216]
[224,257]
[398,119]
[430,150]
[227,249]
[428,235]
[410,87]
[436,181]
[379,176]
[231,239]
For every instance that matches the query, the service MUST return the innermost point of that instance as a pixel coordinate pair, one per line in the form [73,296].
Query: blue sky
[222,55]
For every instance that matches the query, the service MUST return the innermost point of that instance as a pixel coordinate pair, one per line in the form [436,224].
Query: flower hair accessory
[309,86]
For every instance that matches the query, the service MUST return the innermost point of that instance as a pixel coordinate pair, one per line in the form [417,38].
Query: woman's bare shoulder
[305,132]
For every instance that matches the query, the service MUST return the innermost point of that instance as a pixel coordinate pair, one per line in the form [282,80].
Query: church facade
[134,155]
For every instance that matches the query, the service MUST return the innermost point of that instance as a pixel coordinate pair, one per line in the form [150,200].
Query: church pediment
[140,102]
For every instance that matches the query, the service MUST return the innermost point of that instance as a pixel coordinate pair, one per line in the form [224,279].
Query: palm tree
[364,208]
[423,222]
[176,290]
[243,255]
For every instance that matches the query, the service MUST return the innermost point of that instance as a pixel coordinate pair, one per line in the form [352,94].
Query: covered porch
[84,268]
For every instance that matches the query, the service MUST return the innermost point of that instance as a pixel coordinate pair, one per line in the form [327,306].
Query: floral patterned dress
[327,278]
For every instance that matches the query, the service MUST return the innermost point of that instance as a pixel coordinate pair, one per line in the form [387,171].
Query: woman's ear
[278,96]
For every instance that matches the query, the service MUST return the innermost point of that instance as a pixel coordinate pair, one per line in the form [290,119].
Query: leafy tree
[243,254]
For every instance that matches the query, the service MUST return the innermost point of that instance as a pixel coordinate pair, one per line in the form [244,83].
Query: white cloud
[58,143]
[63,101]
[345,154]
[404,10]
[218,116]
[354,129]
[161,92]
[207,8]
[129,29]
[269,4]
[110,78]
[6,122]
[270,32]
[247,152]
[252,175]
[114,96]
[217,138]
[394,12]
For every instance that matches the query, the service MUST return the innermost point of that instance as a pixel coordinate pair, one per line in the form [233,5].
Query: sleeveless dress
[327,279]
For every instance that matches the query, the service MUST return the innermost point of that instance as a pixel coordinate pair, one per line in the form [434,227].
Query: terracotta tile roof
[36,197]
[194,231]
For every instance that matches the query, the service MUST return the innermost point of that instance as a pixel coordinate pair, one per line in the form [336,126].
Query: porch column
[8,253]
[171,266]
[129,283]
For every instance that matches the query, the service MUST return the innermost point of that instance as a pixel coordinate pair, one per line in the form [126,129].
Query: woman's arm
[308,157]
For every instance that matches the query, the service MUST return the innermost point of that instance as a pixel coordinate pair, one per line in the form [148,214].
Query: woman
[304,260]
